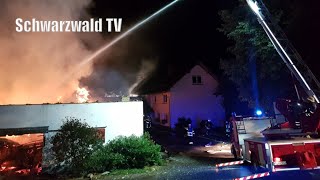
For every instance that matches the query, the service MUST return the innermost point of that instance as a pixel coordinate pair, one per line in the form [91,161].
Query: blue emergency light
[258,112]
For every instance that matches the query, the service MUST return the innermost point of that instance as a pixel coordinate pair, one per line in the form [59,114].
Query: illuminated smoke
[114,82]
[33,65]
[147,67]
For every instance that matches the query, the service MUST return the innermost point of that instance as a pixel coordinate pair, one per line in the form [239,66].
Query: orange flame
[59,98]
[82,95]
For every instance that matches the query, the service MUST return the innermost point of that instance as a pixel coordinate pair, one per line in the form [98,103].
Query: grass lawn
[145,173]
[171,166]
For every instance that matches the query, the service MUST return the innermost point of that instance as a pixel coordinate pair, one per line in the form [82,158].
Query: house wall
[197,102]
[160,107]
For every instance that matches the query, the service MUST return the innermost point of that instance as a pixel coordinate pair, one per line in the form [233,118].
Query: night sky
[187,33]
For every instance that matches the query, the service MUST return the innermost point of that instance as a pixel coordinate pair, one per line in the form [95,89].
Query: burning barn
[26,129]
[20,153]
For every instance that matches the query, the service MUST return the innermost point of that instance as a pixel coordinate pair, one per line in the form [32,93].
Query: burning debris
[21,154]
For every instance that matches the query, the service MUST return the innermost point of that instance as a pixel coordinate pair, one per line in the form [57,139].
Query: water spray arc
[126,33]
[102,49]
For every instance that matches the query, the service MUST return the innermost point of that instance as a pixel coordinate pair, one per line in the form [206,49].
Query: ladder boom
[284,48]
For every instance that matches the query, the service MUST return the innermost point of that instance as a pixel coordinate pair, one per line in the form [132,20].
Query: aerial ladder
[285,49]
[290,145]
[308,119]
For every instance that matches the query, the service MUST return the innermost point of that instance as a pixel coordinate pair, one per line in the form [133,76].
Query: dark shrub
[126,153]
[104,159]
[73,144]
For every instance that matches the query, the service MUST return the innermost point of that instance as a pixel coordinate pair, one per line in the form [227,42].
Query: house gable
[194,96]
[198,79]
[191,94]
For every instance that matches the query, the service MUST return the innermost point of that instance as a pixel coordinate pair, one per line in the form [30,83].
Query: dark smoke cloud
[122,67]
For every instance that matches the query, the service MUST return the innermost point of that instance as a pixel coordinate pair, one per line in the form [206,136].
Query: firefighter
[190,133]
[311,105]
[209,127]
[147,120]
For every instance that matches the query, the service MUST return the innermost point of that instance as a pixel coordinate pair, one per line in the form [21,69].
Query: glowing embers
[21,154]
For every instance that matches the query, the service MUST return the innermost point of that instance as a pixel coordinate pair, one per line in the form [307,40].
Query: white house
[192,95]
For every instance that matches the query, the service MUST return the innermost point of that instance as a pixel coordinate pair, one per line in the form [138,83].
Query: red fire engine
[280,144]
[274,148]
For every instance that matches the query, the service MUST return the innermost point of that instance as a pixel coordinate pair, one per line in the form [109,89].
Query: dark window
[196,80]
[165,98]
[199,81]
[164,119]
[155,99]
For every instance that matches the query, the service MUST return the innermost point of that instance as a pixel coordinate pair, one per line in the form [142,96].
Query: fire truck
[263,143]
[293,141]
